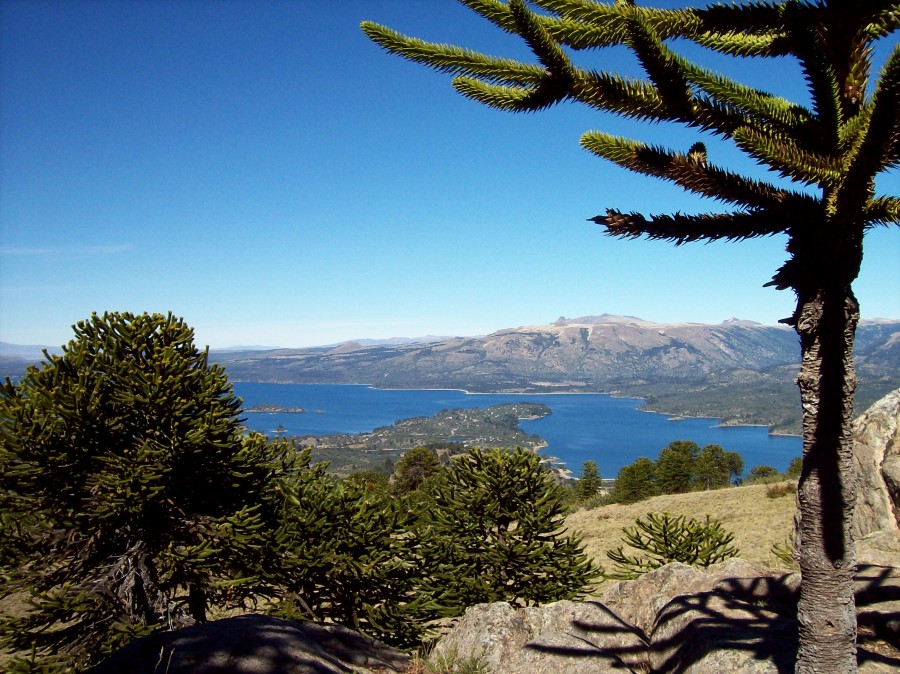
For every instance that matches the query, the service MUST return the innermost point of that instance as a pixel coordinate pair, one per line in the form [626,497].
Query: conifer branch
[692,172]
[680,228]
[453,60]
[632,98]
[880,147]
[821,78]
[739,44]
[883,211]
[782,154]
[748,102]
[665,71]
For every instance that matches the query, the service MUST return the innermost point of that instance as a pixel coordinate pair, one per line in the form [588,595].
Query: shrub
[781,489]
[795,468]
[666,538]
[762,474]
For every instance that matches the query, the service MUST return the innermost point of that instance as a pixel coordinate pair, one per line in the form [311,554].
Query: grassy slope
[757,521]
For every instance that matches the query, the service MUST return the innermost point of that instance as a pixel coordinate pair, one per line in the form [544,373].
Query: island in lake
[267,408]
[456,429]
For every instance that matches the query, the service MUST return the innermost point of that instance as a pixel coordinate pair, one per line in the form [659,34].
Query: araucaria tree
[497,533]
[133,495]
[589,482]
[832,150]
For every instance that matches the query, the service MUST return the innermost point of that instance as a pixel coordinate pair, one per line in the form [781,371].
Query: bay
[583,426]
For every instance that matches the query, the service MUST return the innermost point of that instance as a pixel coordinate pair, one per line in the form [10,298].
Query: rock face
[255,644]
[560,638]
[732,617]
[876,453]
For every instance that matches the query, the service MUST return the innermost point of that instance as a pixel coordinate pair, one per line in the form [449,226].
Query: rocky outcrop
[876,456]
[876,435]
[256,644]
[560,638]
[733,617]
[639,601]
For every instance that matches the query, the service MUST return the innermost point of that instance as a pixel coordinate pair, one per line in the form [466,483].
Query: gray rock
[556,638]
[712,632]
[255,644]
[639,601]
[876,457]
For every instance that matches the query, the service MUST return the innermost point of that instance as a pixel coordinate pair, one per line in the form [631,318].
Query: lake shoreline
[603,426]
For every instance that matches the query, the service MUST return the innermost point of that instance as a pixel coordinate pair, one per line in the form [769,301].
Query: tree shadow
[257,643]
[753,618]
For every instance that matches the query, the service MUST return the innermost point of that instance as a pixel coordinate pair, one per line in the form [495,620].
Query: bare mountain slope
[593,352]
[739,370]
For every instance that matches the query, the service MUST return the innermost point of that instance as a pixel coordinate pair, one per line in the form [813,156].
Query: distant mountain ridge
[588,352]
[740,371]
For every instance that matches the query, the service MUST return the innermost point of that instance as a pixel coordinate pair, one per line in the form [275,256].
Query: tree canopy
[829,150]
[136,493]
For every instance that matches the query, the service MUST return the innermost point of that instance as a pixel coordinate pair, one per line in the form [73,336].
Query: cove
[583,426]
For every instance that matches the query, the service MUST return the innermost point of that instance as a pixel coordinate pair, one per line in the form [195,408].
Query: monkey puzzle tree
[497,533]
[134,497]
[589,482]
[832,150]
[675,467]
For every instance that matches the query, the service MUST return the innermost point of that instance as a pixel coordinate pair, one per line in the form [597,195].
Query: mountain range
[740,371]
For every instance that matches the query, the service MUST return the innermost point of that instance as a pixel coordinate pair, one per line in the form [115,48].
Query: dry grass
[757,521]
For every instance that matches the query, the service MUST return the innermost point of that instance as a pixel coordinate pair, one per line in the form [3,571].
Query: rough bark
[826,322]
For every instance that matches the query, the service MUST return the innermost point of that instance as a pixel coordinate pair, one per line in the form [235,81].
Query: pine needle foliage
[828,150]
[665,538]
[346,554]
[497,533]
[131,496]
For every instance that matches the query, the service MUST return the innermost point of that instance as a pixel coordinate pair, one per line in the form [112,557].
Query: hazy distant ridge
[739,371]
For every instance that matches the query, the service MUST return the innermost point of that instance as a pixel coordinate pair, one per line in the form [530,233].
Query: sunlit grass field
[757,521]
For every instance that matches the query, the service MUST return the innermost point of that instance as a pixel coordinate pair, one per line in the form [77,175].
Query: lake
[583,426]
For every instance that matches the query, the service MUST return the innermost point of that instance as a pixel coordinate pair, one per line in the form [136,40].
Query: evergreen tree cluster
[681,466]
[133,500]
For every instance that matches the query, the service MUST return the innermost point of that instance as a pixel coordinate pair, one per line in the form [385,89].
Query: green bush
[666,538]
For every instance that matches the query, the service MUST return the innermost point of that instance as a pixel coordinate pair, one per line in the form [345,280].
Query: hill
[740,371]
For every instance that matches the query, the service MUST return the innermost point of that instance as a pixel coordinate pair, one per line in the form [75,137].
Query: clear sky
[264,171]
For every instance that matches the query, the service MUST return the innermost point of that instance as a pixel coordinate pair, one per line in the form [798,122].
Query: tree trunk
[826,322]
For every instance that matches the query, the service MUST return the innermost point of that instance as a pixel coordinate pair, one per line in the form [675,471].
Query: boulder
[732,617]
[255,644]
[711,633]
[560,638]
[876,457]
[639,601]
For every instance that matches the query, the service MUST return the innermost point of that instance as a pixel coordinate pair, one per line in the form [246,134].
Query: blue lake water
[582,427]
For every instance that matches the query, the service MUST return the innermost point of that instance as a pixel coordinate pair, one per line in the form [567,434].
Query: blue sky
[264,171]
